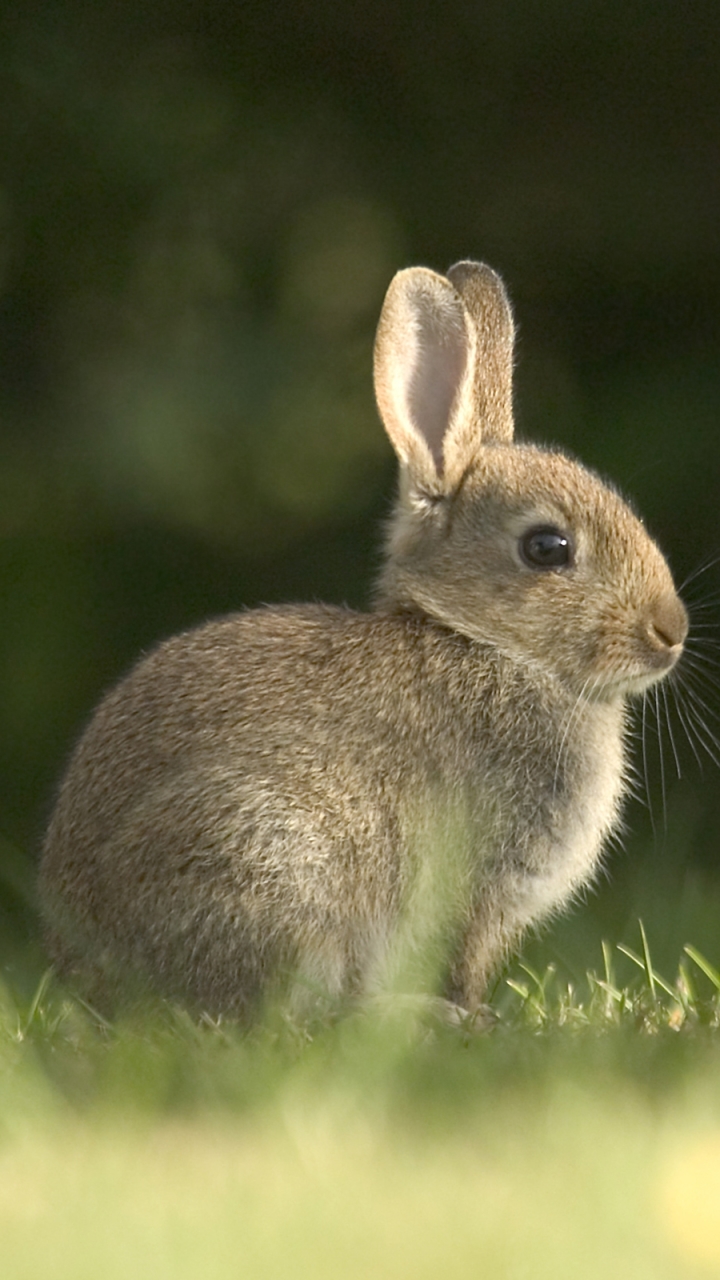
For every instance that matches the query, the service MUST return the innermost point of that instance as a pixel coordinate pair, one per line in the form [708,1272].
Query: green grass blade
[655,980]
[648,963]
[607,961]
[35,1003]
[704,965]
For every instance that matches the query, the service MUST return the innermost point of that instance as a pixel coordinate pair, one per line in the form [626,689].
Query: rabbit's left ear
[443,370]
[483,293]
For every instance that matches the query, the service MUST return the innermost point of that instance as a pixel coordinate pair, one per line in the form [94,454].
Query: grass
[580,1137]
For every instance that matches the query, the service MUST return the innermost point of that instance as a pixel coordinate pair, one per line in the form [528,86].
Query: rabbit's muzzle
[665,628]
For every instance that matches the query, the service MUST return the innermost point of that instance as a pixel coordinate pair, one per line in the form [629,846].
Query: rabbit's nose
[667,625]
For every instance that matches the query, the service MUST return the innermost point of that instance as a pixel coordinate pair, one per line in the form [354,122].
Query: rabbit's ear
[424,374]
[484,296]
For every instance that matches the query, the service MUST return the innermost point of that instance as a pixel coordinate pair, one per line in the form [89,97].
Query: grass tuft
[579,1134]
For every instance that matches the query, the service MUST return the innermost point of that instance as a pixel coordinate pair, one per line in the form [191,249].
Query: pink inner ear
[441,357]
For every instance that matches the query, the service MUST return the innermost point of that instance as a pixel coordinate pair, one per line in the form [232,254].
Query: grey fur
[259,800]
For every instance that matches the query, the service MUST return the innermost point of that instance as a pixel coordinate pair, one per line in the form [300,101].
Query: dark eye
[546,547]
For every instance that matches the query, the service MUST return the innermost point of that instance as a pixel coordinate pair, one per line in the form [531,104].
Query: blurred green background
[201,205]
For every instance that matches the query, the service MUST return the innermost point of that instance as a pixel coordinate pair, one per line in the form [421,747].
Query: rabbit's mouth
[628,684]
[634,676]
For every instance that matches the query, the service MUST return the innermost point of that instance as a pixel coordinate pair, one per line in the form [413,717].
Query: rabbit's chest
[562,854]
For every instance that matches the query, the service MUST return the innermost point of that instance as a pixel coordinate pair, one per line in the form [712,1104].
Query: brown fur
[266,796]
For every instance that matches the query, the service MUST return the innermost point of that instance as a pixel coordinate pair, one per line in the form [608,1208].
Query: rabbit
[310,797]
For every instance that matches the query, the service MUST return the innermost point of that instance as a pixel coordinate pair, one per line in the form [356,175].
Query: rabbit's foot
[434,1009]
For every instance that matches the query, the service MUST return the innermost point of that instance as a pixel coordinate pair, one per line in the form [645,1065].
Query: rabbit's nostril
[667,625]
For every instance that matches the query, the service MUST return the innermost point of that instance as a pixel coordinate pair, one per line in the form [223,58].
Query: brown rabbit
[290,791]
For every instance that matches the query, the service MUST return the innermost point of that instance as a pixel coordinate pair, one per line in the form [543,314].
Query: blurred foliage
[385,1143]
[200,207]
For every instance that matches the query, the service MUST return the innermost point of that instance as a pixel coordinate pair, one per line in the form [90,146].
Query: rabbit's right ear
[437,399]
[424,351]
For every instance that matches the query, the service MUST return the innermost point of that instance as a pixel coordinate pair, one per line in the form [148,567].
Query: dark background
[201,205]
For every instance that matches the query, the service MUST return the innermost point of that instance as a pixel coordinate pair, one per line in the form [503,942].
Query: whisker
[706,601]
[701,739]
[696,651]
[697,573]
[692,693]
[671,736]
[701,728]
[661,753]
[700,670]
[687,726]
[698,647]
[697,654]
[646,773]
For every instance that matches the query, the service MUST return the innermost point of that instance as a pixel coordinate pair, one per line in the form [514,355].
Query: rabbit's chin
[626,685]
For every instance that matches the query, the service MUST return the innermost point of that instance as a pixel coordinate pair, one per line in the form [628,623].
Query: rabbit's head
[518,547]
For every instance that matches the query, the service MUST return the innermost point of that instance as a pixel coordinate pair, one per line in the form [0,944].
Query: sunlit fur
[342,800]
[458,560]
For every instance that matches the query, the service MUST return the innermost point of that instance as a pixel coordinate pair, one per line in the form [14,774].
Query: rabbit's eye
[546,547]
